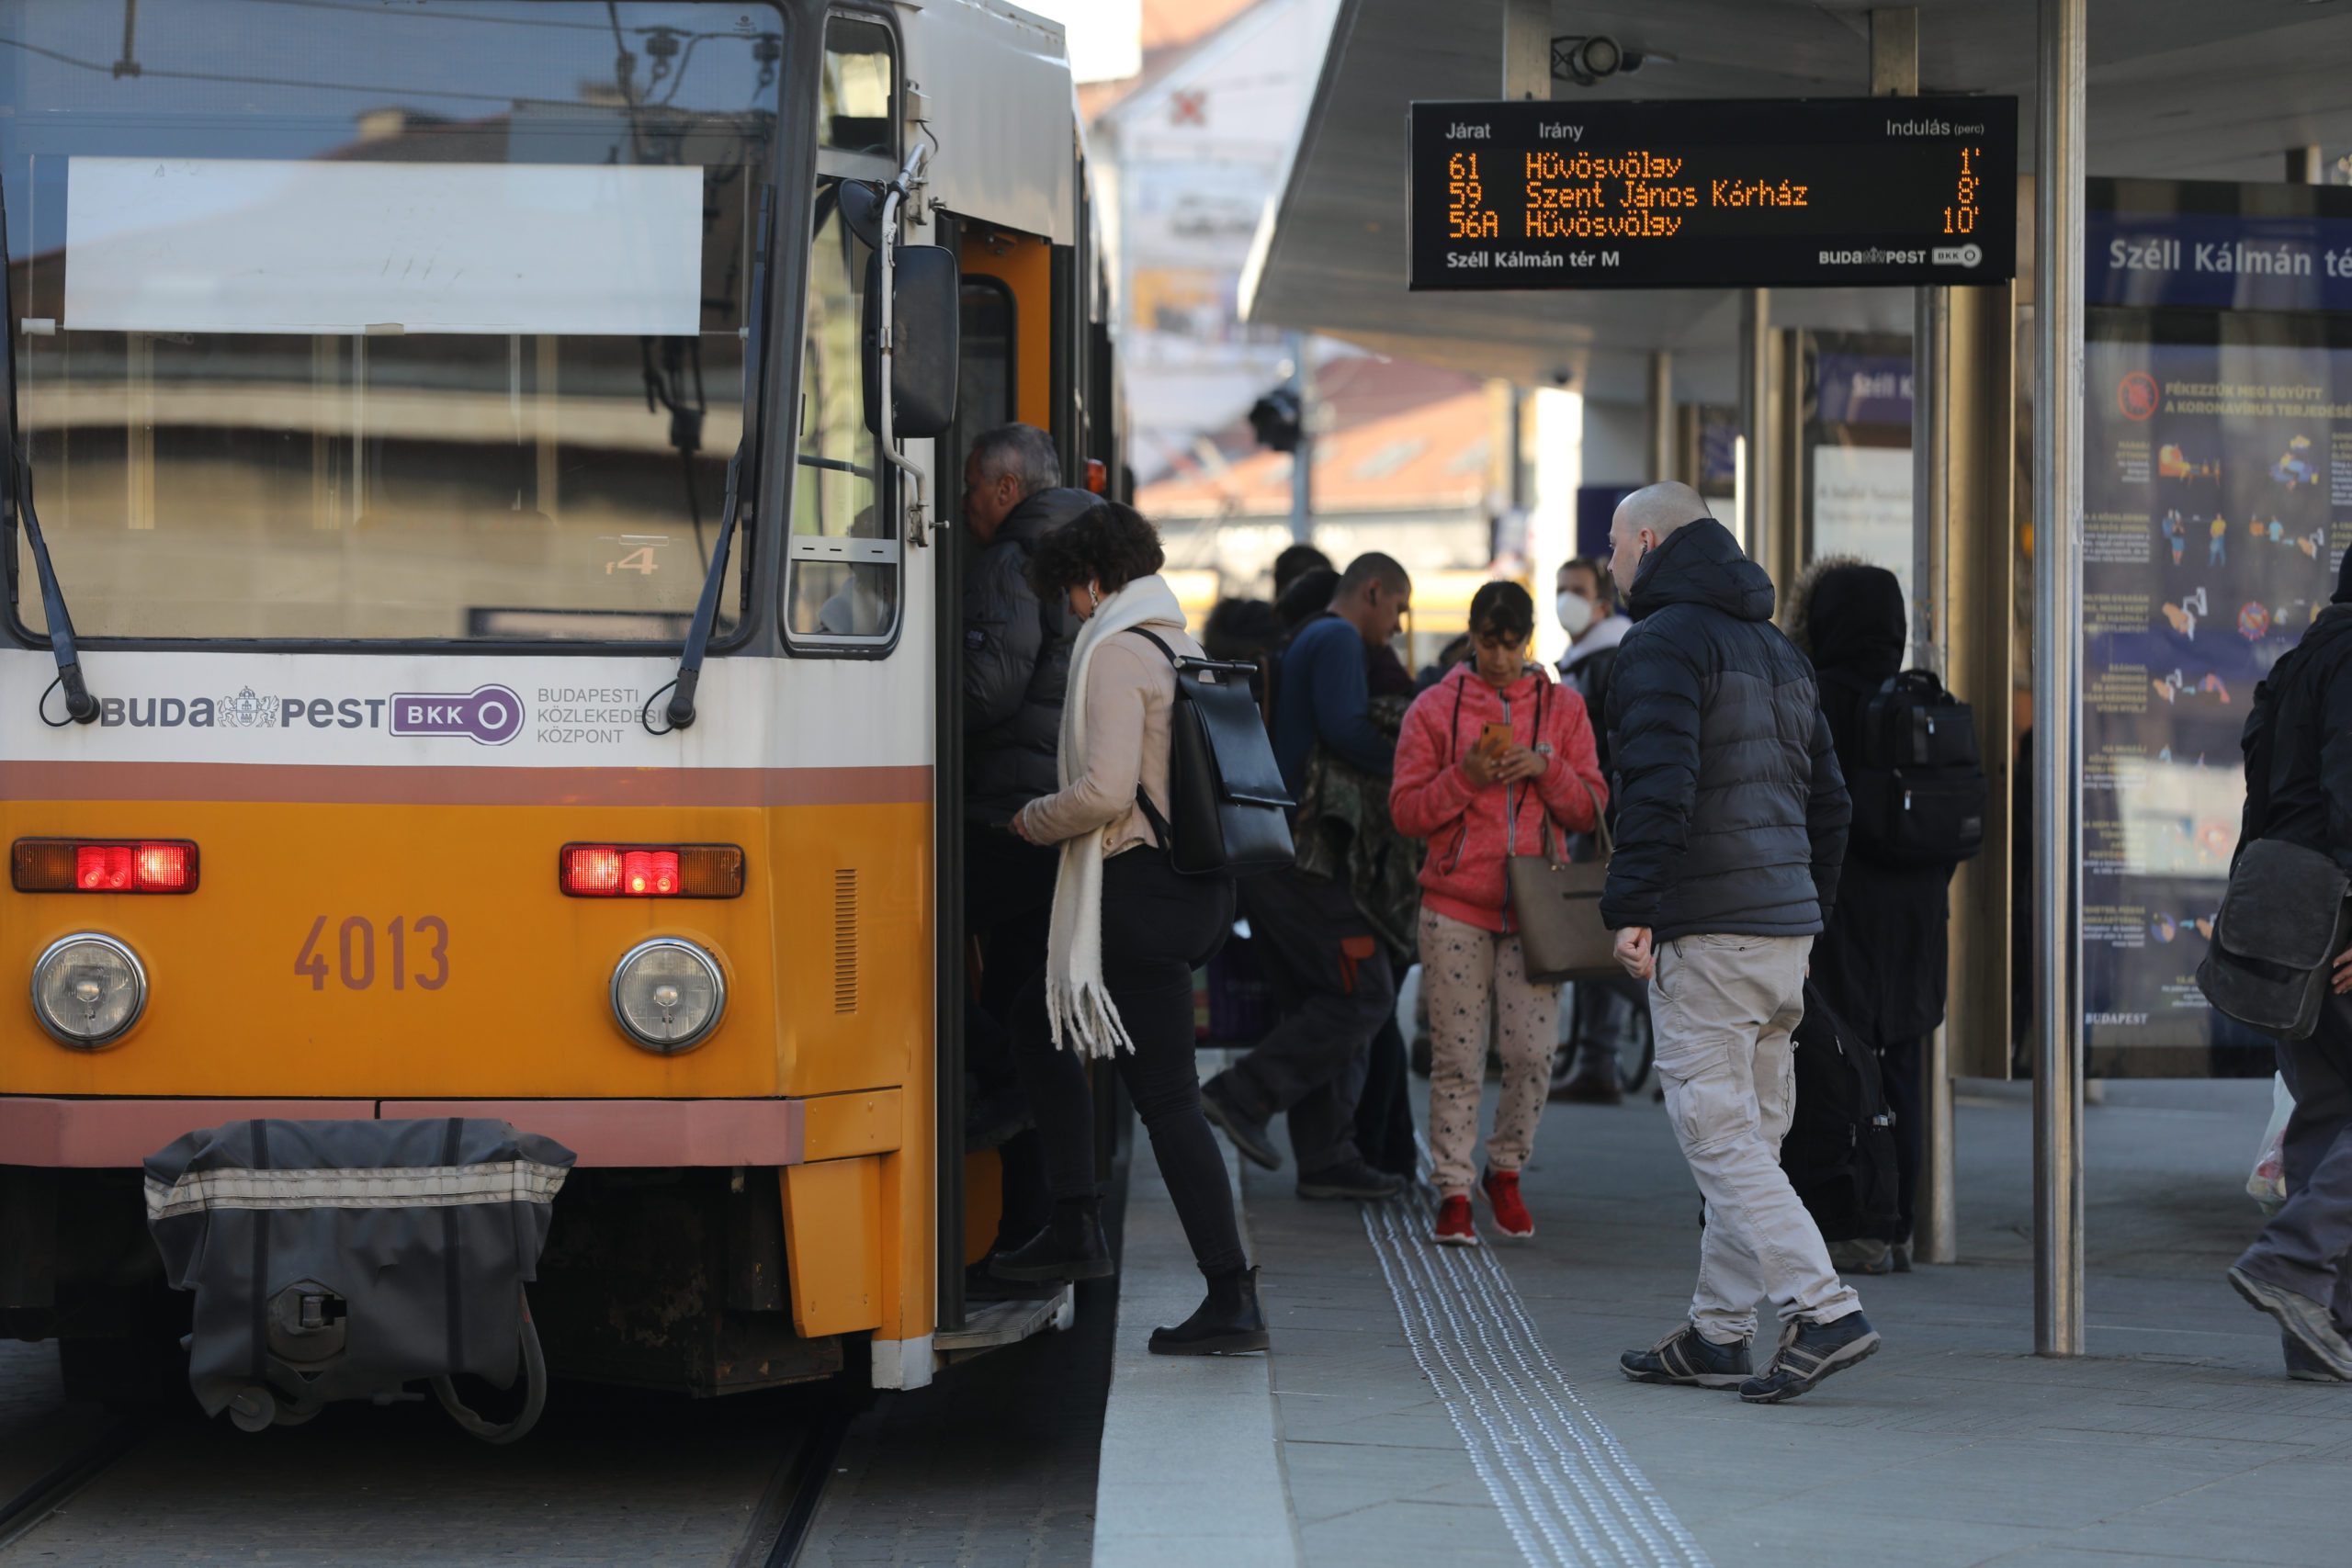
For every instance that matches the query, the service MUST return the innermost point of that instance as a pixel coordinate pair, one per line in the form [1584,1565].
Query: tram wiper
[80,706]
[680,708]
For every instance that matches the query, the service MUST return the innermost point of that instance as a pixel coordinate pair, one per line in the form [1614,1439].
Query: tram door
[1005,302]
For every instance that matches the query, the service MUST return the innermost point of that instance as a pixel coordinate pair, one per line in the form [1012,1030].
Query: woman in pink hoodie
[1479,798]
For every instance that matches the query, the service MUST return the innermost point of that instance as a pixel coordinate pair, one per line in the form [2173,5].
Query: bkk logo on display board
[2217,502]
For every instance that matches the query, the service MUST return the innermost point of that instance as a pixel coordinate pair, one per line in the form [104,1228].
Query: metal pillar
[1895,52]
[1932,460]
[1962,469]
[1964,474]
[1660,411]
[2057,693]
[1302,458]
[1527,48]
[1894,73]
[1755,418]
[1936,1209]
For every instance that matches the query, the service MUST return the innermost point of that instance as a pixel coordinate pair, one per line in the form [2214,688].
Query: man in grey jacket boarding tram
[1731,827]
[1016,676]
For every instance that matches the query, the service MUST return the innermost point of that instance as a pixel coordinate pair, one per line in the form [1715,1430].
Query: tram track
[789,1505]
[32,1505]
[725,1483]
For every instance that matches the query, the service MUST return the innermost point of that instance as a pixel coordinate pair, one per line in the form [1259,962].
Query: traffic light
[1274,417]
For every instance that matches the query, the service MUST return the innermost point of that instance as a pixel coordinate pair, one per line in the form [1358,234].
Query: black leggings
[1157,927]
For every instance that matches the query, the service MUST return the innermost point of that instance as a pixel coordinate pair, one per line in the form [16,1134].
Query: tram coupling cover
[343,1260]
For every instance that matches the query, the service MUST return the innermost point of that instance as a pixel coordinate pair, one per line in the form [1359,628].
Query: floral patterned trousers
[1463,969]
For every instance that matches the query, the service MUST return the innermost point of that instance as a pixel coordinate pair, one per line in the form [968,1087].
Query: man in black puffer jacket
[1016,669]
[1016,650]
[1731,825]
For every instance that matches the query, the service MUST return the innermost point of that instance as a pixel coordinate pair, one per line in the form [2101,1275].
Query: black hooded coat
[1731,812]
[1880,959]
[2302,723]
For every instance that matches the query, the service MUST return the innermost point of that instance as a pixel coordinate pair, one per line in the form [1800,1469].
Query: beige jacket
[1130,691]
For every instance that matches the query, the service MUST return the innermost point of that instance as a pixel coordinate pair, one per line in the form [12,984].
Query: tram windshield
[336,320]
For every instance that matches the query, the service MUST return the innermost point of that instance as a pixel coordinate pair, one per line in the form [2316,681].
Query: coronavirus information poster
[2217,497]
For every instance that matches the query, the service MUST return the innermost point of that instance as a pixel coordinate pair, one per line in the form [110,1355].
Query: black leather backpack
[1920,789]
[1228,806]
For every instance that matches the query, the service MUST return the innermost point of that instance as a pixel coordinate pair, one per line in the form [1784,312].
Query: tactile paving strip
[1567,1492]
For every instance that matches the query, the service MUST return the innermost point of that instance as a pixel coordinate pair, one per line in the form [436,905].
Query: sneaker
[1247,1132]
[1454,1226]
[1688,1358]
[2305,1321]
[1501,1191]
[1810,1352]
[1353,1179]
[1864,1255]
[2303,1366]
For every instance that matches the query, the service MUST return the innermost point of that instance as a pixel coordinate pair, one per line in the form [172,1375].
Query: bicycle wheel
[1633,1063]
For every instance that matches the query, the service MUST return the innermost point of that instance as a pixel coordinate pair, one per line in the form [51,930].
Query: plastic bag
[2268,1184]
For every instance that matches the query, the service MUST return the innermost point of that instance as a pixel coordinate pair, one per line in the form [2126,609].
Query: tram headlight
[88,989]
[668,994]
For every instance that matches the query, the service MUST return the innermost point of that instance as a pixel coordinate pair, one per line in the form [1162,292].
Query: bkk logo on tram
[488,716]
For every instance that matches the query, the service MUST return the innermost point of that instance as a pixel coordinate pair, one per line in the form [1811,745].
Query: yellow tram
[397,390]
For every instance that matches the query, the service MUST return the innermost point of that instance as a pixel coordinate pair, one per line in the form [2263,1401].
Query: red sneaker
[1511,1218]
[1454,1226]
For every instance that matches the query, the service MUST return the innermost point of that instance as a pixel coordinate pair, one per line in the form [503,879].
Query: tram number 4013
[354,948]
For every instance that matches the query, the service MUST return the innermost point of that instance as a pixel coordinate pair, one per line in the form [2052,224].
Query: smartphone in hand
[1494,740]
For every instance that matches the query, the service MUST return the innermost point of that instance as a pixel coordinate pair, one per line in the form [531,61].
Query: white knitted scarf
[1076,999]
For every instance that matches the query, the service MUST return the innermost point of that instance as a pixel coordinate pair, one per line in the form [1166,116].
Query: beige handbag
[1557,902]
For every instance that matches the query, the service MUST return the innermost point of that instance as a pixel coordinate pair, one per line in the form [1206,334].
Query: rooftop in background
[1170,28]
[1401,437]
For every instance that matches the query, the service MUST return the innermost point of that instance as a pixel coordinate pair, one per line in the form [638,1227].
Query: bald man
[1731,827]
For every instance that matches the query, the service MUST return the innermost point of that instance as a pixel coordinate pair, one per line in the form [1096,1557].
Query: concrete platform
[1429,1407]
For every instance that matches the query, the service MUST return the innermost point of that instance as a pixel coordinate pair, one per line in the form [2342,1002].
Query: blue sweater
[1322,695]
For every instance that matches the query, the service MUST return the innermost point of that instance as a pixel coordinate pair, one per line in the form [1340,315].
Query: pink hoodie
[1467,826]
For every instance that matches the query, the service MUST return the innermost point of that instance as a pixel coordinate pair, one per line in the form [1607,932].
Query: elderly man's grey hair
[1021,450]
[1662,508]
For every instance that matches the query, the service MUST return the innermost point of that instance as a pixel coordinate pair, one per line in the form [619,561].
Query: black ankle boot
[1228,1322]
[1070,1246]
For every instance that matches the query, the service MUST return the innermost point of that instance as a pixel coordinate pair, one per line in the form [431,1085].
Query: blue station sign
[2210,246]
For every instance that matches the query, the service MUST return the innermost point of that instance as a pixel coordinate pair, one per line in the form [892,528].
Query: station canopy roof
[2178,89]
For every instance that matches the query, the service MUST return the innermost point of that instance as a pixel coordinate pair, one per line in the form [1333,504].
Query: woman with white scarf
[1127,933]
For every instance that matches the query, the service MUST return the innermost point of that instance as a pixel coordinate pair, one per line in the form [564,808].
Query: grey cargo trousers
[1724,1009]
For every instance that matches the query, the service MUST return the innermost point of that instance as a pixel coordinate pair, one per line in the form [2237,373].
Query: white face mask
[1575,612]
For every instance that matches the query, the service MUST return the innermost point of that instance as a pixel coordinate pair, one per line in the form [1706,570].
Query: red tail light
[104,868]
[1098,478]
[591,871]
[103,865]
[650,871]
[162,868]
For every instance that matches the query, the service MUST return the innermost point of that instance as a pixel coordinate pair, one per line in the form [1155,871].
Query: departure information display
[1744,194]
